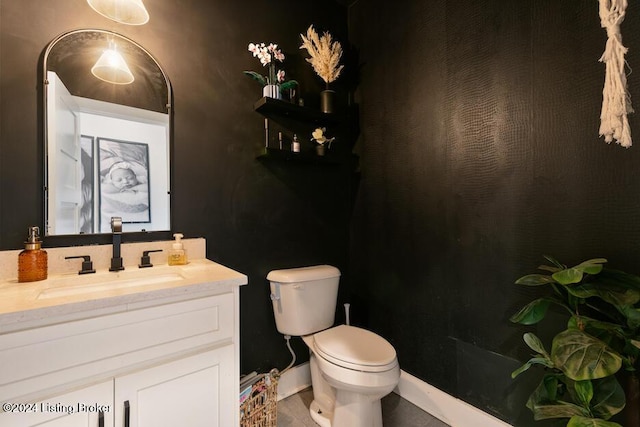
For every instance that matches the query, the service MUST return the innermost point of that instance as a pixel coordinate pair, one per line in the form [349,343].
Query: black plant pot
[326,100]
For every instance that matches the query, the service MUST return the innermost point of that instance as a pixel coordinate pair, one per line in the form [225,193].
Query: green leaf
[584,392]
[611,293]
[549,268]
[578,421]
[534,343]
[550,384]
[555,262]
[632,315]
[604,331]
[575,274]
[532,313]
[258,77]
[568,276]
[620,277]
[608,398]
[557,409]
[534,280]
[288,84]
[544,404]
[533,361]
[592,266]
[582,357]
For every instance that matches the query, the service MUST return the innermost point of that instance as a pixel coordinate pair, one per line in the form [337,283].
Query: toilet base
[321,418]
[352,410]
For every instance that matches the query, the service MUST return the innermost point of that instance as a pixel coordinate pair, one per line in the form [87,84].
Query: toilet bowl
[351,368]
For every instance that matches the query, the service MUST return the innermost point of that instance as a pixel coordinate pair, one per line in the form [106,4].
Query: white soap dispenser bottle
[177,253]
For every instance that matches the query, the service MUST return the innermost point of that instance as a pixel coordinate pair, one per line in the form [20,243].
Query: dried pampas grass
[325,54]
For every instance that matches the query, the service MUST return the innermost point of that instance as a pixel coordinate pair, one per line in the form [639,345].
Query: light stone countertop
[65,294]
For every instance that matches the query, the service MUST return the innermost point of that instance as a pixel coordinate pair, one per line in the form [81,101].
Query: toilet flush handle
[276,296]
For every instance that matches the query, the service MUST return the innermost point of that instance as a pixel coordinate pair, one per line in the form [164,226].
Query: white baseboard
[448,409]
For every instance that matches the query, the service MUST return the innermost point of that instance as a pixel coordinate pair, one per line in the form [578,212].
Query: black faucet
[145,260]
[116,231]
[87,264]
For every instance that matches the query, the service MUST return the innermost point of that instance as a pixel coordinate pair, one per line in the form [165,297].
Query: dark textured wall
[251,217]
[479,154]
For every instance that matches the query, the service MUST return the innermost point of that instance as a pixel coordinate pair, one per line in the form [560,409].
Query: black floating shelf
[300,157]
[271,107]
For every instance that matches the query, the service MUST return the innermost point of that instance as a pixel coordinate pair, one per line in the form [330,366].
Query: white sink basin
[107,281]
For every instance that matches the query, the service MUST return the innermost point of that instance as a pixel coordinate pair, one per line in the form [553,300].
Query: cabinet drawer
[58,354]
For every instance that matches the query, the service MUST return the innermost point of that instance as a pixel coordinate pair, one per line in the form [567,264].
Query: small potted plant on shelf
[321,140]
[325,57]
[274,82]
[602,337]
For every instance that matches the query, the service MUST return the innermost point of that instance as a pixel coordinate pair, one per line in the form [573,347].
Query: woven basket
[261,408]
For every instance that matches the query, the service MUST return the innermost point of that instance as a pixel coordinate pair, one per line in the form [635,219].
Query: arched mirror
[107,128]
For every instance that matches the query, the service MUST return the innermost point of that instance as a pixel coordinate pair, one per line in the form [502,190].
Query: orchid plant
[268,55]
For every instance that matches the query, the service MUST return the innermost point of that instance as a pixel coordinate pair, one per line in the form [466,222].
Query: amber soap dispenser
[32,261]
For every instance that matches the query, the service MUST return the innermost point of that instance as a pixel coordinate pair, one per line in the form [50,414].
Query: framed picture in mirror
[124,181]
[87,183]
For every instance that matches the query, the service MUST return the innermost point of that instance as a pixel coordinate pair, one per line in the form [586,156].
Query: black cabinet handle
[100,419]
[126,413]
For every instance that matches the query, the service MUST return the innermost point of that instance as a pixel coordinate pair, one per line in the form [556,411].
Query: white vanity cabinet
[186,392]
[61,410]
[168,359]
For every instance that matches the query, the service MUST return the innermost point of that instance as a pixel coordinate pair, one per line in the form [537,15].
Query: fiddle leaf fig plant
[602,336]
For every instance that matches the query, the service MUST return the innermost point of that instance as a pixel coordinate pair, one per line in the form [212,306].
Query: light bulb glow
[130,12]
[112,68]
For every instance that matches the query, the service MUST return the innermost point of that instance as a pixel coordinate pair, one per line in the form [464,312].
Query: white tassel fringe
[616,100]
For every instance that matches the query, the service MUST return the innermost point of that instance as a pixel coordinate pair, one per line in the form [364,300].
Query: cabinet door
[196,391]
[87,407]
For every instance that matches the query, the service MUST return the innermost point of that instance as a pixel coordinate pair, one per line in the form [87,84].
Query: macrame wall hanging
[616,100]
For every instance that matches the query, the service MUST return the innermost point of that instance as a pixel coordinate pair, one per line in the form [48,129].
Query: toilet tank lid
[303,274]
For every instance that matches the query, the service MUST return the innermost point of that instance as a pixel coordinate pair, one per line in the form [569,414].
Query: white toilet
[351,368]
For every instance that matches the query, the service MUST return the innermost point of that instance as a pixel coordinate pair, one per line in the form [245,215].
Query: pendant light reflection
[112,68]
[130,12]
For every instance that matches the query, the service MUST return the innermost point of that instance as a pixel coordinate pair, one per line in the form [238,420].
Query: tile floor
[396,412]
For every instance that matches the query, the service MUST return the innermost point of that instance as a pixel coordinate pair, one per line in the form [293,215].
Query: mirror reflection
[107,118]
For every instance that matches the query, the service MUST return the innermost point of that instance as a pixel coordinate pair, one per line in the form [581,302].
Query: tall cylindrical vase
[327,100]
[272,91]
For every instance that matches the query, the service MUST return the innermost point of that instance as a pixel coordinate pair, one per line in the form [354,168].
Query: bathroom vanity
[141,347]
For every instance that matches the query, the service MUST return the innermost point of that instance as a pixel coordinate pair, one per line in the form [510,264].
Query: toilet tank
[304,299]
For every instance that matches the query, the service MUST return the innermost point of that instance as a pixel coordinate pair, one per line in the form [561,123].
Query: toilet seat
[355,348]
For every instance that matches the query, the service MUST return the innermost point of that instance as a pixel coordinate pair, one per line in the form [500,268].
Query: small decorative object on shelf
[273,83]
[321,140]
[295,144]
[325,58]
